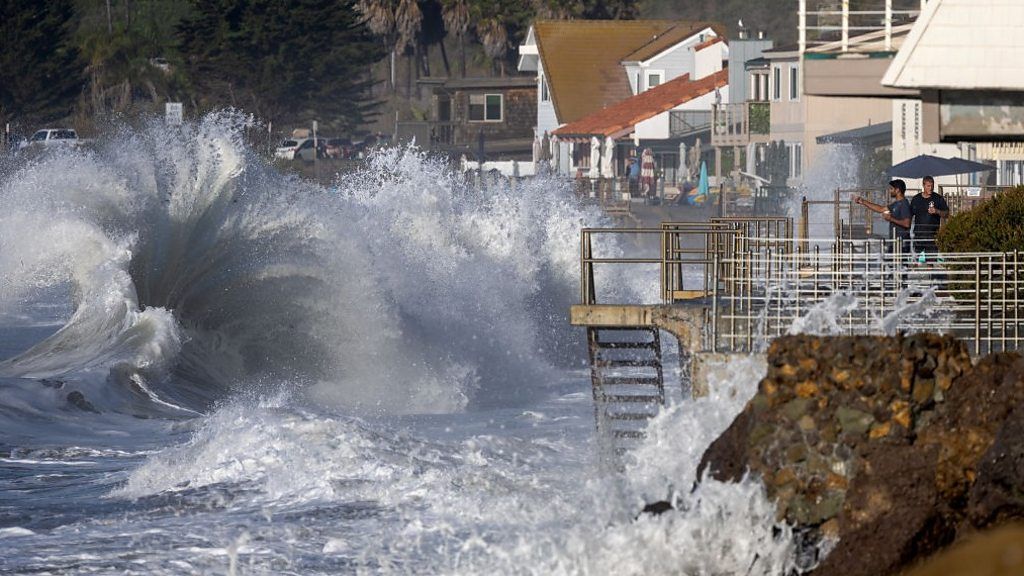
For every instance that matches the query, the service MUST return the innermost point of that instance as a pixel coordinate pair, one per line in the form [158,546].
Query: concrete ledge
[713,367]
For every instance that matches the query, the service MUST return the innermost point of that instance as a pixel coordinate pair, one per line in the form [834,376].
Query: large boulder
[881,449]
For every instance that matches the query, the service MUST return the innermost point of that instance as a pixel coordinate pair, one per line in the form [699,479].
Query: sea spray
[406,290]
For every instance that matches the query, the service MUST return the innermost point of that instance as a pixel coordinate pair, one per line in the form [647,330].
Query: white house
[583,66]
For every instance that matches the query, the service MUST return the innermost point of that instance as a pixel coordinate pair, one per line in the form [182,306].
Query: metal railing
[853,25]
[740,123]
[686,251]
[871,287]
[757,282]
[841,218]
[961,197]
[685,122]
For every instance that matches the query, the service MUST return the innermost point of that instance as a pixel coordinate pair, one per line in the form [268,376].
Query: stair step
[652,363]
[626,345]
[650,398]
[630,380]
[629,415]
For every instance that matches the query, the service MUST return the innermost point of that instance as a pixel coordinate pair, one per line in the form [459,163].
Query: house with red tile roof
[586,69]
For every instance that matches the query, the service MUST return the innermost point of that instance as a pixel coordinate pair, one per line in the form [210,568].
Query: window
[654,78]
[776,83]
[794,86]
[486,107]
[796,160]
[544,96]
[759,87]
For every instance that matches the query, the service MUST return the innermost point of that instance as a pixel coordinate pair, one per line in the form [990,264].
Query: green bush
[996,225]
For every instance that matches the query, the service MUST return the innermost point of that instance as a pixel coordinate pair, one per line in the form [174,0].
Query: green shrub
[996,225]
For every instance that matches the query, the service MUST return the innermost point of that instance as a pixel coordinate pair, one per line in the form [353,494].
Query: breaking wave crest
[195,269]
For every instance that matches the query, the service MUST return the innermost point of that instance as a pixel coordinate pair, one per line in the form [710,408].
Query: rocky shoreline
[881,451]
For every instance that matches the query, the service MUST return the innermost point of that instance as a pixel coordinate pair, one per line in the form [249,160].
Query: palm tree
[408,19]
[379,16]
[456,21]
[494,36]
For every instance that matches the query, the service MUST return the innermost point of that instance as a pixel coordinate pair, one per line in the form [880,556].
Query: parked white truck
[52,136]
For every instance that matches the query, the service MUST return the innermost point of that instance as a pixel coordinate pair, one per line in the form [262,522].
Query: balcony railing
[741,123]
[686,122]
[853,25]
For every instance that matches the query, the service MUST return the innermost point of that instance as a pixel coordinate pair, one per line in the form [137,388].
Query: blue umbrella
[699,195]
[926,165]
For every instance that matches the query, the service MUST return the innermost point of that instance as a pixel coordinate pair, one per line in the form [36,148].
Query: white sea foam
[405,290]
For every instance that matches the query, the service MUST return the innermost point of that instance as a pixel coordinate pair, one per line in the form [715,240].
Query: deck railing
[853,25]
[757,282]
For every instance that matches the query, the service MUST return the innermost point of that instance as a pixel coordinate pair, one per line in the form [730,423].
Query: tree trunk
[418,56]
[425,60]
[462,55]
[444,58]
[408,76]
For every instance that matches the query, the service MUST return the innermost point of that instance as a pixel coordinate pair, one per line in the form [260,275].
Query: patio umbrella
[608,159]
[595,158]
[683,175]
[695,153]
[537,147]
[700,193]
[556,150]
[545,147]
[927,165]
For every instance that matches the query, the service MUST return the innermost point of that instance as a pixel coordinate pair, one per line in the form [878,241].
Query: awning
[871,135]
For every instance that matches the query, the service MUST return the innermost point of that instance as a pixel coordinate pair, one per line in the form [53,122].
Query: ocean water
[208,367]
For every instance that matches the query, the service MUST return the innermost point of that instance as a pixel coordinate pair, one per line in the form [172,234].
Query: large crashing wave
[197,269]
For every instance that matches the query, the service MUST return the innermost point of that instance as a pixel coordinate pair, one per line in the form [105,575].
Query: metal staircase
[628,384]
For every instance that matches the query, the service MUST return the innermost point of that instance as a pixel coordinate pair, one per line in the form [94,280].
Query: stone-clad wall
[889,448]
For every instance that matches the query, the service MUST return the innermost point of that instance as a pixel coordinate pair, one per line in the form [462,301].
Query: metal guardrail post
[714,306]
[977,305]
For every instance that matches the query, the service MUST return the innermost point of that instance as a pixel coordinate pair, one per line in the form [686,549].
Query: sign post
[316,153]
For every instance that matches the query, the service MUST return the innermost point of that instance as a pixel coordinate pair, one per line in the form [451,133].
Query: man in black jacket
[929,208]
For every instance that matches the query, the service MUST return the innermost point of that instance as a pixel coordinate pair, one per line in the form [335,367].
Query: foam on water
[489,503]
[404,290]
[385,370]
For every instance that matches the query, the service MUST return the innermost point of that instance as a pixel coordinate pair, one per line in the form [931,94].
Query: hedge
[995,225]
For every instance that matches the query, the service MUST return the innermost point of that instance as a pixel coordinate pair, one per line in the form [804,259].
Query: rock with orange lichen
[889,447]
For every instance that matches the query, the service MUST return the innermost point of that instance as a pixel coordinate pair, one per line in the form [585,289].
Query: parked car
[53,136]
[296,149]
[338,148]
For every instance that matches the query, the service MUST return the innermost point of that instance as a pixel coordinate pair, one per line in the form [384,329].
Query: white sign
[173,113]
[974,192]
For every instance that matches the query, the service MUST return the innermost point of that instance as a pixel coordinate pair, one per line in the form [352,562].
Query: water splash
[404,290]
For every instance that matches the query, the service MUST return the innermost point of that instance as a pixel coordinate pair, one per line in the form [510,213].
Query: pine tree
[285,62]
[40,68]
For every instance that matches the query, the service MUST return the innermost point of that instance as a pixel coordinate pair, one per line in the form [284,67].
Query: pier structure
[728,286]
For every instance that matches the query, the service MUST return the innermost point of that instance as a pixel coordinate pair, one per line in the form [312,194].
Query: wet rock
[890,448]
[657,508]
[77,399]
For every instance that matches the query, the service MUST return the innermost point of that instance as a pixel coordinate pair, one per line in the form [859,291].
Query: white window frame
[545,94]
[501,108]
[794,82]
[647,78]
[775,83]
[796,163]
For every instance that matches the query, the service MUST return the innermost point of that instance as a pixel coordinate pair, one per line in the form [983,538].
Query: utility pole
[110,23]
